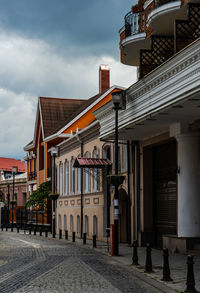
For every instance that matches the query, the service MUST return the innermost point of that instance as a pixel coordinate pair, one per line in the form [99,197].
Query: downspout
[81,143]
[137,188]
[129,199]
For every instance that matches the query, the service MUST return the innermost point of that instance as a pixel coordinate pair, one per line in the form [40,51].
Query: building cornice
[172,82]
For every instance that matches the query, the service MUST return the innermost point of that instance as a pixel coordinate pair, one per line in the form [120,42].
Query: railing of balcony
[134,23]
[32,175]
[158,3]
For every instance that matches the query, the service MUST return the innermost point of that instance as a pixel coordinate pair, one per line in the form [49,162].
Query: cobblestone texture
[38,264]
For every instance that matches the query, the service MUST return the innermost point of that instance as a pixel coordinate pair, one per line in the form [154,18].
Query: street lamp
[117,98]
[13,202]
[54,153]
[8,199]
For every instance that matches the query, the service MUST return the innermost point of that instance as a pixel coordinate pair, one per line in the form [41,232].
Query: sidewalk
[177,263]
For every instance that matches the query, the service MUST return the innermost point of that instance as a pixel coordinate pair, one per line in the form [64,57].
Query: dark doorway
[164,190]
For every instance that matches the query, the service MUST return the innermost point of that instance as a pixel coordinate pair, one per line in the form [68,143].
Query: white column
[188,185]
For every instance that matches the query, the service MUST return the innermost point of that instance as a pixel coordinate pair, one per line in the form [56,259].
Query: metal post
[8,204]
[66,234]
[17,228]
[73,236]
[29,230]
[190,275]
[166,269]
[54,202]
[12,215]
[35,230]
[94,241]
[84,238]
[148,265]
[135,254]
[116,204]
[40,231]
[60,234]
[46,232]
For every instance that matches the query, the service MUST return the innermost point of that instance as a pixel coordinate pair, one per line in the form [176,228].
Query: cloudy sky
[54,48]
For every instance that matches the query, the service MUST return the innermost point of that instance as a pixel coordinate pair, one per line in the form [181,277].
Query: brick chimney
[104,78]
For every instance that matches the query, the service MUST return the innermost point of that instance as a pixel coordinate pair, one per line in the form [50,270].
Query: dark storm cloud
[86,26]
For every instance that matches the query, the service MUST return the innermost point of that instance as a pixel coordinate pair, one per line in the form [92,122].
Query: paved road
[38,264]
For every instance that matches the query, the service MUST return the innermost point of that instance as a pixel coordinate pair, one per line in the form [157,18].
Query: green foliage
[39,197]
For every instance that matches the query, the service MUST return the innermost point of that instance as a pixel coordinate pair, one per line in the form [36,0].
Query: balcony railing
[158,3]
[32,175]
[134,23]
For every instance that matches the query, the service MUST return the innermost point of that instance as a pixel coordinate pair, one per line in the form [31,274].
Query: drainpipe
[129,199]
[137,188]
[81,142]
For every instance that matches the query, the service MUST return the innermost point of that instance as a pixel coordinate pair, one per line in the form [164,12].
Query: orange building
[56,120]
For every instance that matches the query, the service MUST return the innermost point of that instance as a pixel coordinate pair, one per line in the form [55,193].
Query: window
[96,181]
[66,177]
[79,179]
[61,179]
[78,224]
[72,176]
[71,223]
[59,223]
[95,225]
[124,157]
[65,222]
[41,165]
[87,175]
[86,224]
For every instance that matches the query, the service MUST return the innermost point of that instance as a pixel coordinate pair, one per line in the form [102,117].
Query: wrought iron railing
[134,23]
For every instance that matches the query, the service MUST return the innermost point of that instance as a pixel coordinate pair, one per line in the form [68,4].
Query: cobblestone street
[39,264]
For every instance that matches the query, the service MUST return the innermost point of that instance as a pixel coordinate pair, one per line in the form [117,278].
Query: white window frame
[66,177]
[61,179]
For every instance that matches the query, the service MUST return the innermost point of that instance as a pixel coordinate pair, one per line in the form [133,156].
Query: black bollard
[40,231]
[46,232]
[2,227]
[135,254]
[66,234]
[73,236]
[11,228]
[190,275]
[84,238]
[166,269]
[6,228]
[60,234]
[24,229]
[29,230]
[148,264]
[35,230]
[94,240]
[17,228]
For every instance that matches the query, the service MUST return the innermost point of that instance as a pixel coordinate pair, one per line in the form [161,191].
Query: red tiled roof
[6,164]
[91,163]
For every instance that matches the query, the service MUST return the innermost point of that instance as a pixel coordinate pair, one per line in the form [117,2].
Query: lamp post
[117,101]
[54,152]
[13,202]
[8,197]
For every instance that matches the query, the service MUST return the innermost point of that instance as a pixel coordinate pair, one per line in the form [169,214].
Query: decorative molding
[66,202]
[87,201]
[72,202]
[173,81]
[96,200]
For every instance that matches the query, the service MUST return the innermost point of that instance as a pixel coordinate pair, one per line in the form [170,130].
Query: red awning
[91,163]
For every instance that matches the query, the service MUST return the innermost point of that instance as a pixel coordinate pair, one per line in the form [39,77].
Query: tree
[39,197]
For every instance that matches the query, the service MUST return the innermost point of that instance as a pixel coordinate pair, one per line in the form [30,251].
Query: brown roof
[84,105]
[55,111]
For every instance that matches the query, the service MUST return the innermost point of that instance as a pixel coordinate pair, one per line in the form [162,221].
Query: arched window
[65,222]
[96,179]
[72,176]
[71,223]
[66,177]
[79,179]
[61,178]
[86,224]
[78,224]
[95,231]
[59,222]
[87,175]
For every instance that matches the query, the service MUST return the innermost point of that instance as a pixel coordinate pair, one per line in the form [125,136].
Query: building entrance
[164,191]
